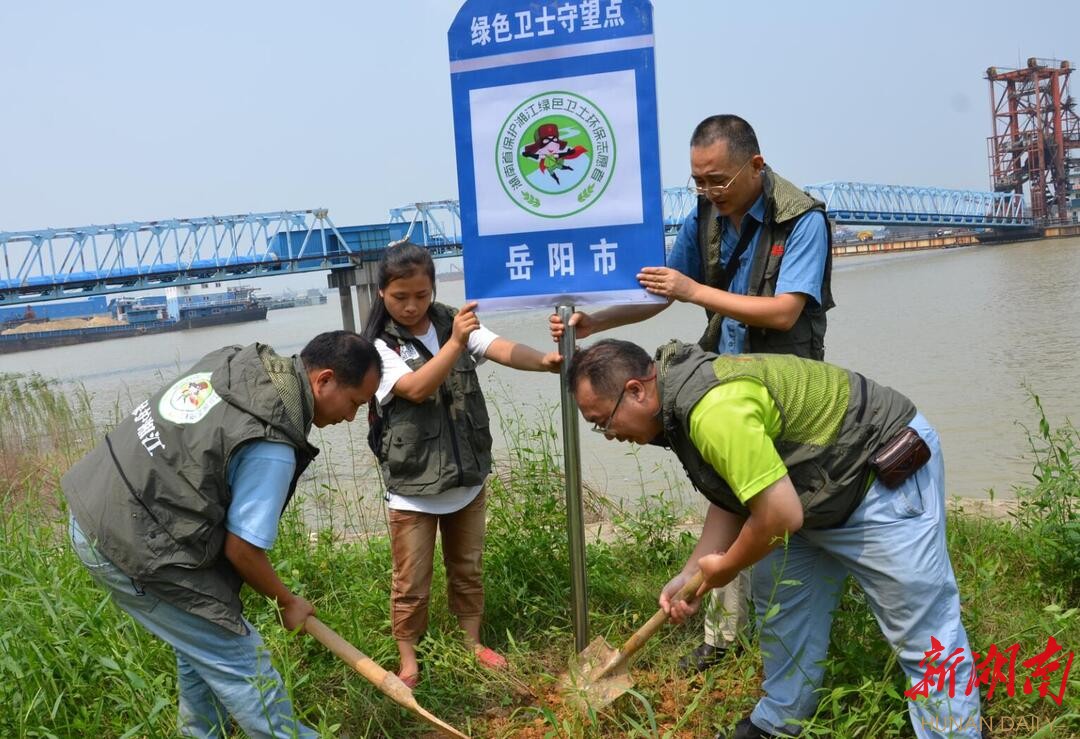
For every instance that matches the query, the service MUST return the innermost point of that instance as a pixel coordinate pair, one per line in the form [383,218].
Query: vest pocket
[481,430]
[413,455]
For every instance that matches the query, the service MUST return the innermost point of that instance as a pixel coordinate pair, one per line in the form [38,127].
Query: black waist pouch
[900,457]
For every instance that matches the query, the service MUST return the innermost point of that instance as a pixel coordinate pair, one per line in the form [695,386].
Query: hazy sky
[119,111]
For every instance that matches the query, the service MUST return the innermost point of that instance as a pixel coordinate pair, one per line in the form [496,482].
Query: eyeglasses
[606,428]
[715,190]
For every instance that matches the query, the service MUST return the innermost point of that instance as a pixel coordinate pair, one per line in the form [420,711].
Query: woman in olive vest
[429,430]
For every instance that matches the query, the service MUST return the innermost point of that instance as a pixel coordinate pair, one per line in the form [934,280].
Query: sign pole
[575,513]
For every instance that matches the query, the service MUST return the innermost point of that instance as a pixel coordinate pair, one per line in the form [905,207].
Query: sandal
[489,658]
[411,681]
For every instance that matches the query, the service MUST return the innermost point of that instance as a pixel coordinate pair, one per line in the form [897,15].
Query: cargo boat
[289,299]
[178,310]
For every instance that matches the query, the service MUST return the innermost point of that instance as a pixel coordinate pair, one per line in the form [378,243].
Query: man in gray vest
[812,473]
[174,511]
[756,255]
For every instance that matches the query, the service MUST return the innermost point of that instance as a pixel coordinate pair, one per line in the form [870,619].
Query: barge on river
[179,309]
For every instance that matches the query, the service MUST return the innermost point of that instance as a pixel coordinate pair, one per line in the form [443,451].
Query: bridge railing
[55,263]
[52,263]
[864,203]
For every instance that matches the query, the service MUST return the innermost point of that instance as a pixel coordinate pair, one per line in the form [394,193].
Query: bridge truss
[87,260]
[436,223]
[51,264]
[903,205]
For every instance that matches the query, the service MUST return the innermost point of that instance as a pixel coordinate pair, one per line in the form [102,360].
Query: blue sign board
[557,150]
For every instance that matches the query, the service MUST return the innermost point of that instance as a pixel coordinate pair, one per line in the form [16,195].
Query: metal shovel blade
[596,677]
[599,674]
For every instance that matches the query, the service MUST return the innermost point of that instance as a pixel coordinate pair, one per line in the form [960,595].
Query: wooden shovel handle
[651,626]
[352,656]
[386,681]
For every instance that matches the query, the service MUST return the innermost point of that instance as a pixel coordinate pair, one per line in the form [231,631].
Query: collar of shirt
[729,238]
[757,212]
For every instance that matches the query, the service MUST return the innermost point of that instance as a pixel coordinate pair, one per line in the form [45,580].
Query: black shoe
[702,658]
[746,729]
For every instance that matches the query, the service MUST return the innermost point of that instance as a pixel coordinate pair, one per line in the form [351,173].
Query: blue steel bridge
[52,264]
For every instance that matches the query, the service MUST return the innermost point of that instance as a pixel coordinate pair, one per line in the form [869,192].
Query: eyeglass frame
[715,190]
[606,428]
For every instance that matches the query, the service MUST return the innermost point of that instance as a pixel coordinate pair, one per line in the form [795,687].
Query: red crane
[1036,129]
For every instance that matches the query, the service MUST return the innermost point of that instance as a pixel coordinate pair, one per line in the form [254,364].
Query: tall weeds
[1049,511]
[43,429]
[73,665]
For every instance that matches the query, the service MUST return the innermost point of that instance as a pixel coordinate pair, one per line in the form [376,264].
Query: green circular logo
[555,154]
[189,399]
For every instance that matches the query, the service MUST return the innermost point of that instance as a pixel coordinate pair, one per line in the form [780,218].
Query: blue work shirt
[259,476]
[801,270]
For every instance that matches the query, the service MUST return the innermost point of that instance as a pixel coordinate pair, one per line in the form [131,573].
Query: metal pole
[575,513]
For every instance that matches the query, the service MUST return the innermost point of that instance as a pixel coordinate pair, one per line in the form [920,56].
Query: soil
[63,324]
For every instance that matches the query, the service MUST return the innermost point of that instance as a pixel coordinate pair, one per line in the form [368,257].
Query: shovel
[599,674]
[387,682]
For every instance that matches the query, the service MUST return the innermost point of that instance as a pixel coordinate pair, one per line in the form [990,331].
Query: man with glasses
[812,473]
[760,266]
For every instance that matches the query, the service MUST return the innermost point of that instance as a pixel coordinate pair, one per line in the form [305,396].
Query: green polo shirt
[733,426]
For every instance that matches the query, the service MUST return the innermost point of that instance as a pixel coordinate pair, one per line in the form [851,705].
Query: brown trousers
[412,544]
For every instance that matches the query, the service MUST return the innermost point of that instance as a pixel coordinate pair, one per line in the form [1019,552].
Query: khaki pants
[726,611]
[412,544]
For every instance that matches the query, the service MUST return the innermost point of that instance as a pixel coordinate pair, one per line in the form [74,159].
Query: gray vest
[445,441]
[833,420]
[153,496]
[784,205]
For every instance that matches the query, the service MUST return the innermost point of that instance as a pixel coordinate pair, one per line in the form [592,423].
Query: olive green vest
[153,495]
[784,205]
[445,441]
[832,421]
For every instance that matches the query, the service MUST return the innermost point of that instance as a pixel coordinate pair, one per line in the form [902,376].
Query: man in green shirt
[782,448]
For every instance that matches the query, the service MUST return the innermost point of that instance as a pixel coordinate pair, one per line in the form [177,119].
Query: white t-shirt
[394,368]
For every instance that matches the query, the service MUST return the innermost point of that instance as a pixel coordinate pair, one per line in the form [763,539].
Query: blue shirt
[801,270]
[259,476]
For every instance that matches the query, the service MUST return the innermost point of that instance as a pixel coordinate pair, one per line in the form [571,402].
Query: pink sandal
[489,658]
[411,681]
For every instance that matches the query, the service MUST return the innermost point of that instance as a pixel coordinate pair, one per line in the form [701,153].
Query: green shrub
[1049,512]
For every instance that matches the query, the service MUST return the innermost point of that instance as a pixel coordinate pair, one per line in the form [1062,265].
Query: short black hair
[347,353]
[608,364]
[740,137]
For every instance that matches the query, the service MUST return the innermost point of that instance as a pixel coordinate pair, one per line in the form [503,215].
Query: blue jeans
[220,673]
[894,546]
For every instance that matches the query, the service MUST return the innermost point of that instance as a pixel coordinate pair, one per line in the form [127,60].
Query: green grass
[73,665]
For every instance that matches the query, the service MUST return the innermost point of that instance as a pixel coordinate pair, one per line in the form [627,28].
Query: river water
[966,333]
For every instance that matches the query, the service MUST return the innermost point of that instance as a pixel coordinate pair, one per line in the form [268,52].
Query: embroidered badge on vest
[778,250]
[408,351]
[189,399]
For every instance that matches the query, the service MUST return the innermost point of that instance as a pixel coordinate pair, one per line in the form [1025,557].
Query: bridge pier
[362,278]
